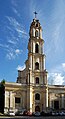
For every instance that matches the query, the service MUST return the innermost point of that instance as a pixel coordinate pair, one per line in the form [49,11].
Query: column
[44,61]
[62,100]
[11,106]
[31,99]
[14,100]
[47,97]
[6,103]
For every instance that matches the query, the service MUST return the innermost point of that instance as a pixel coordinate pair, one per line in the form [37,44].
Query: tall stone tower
[35,74]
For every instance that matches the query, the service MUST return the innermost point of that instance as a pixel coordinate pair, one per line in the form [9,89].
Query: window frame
[37,33]
[37,96]
[17,100]
[37,80]
[36,66]
[36,48]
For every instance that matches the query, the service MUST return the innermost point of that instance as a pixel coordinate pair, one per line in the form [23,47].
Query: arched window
[37,33]
[36,65]
[36,48]
[37,96]
[37,80]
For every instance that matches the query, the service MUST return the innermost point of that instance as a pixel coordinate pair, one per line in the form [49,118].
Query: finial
[35,14]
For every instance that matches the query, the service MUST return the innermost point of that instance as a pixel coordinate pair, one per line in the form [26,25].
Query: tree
[2,91]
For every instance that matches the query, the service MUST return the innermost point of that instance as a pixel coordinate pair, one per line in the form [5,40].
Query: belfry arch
[36,48]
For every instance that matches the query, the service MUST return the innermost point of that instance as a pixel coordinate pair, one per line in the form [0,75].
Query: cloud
[4,46]
[12,42]
[12,54]
[54,31]
[58,68]
[63,66]
[20,67]
[16,12]
[18,27]
[57,75]
[56,79]
[14,3]
[17,51]
[15,34]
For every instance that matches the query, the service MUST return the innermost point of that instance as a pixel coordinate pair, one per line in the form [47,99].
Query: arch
[37,33]
[37,108]
[36,48]
[37,80]
[36,65]
[37,96]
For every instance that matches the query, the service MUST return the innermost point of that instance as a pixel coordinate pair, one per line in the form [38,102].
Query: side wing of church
[31,90]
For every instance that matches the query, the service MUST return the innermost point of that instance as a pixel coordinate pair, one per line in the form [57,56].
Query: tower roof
[36,24]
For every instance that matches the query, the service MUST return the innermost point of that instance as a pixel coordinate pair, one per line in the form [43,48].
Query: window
[36,25]
[36,48]
[37,96]
[17,100]
[36,65]
[36,33]
[37,80]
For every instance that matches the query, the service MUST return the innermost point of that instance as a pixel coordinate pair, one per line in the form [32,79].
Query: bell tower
[36,56]
[34,76]
[37,91]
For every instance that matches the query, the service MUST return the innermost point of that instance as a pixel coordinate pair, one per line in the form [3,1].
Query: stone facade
[56,97]
[32,92]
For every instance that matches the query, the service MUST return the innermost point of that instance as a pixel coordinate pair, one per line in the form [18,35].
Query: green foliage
[2,92]
[3,82]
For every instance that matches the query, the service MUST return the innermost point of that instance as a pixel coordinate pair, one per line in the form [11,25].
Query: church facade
[31,90]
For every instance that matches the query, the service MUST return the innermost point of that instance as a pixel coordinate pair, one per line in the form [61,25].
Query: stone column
[11,106]
[62,100]
[29,98]
[6,102]
[47,97]
[44,61]
[14,101]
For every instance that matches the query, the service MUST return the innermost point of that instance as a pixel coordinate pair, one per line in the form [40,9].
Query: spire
[35,13]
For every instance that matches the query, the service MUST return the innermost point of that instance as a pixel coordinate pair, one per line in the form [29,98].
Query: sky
[15,19]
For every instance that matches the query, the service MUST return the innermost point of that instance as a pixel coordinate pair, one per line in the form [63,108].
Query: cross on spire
[35,13]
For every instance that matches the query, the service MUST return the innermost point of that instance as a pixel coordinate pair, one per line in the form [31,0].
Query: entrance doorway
[37,108]
[56,104]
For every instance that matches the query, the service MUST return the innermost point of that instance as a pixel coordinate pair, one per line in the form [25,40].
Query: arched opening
[36,48]
[37,108]
[36,65]
[37,33]
[37,96]
[37,80]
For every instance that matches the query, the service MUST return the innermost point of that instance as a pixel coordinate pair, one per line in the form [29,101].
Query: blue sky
[15,19]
